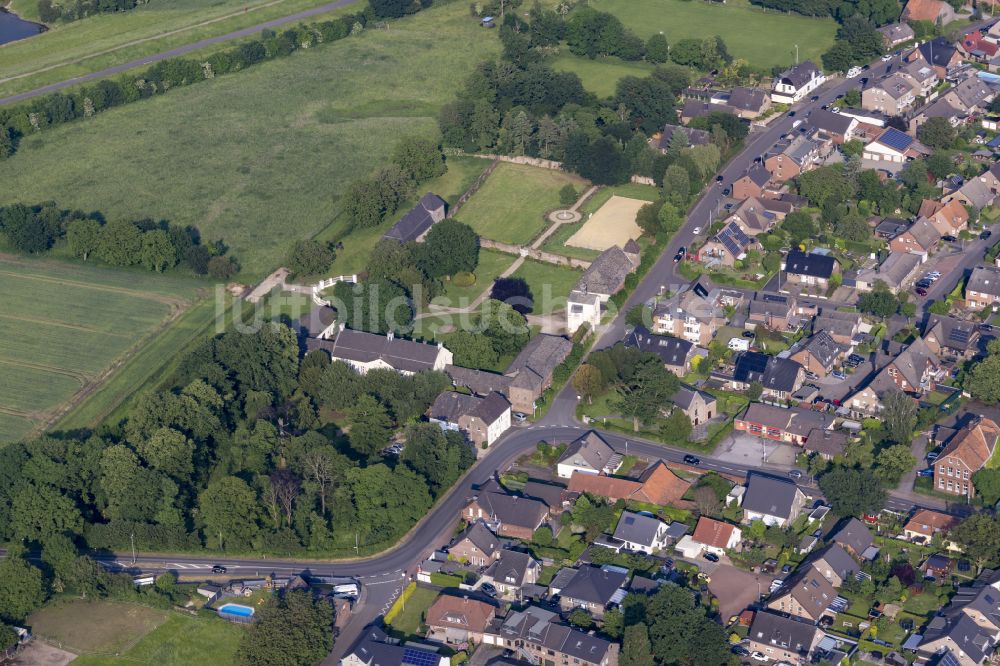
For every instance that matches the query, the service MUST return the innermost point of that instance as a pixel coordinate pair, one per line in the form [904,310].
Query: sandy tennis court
[612,224]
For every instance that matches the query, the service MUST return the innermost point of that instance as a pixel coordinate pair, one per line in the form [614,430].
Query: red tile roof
[714,533]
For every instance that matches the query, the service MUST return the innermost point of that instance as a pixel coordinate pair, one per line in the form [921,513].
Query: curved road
[180,50]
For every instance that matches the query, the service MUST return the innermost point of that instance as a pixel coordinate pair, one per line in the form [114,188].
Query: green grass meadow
[491,265]
[510,207]
[75,48]
[258,158]
[65,325]
[550,284]
[599,75]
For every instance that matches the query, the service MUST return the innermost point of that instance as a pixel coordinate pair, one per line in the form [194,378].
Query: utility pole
[132,538]
[356,544]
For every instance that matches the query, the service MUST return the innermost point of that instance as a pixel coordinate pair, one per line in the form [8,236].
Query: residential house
[773,311]
[699,406]
[537,636]
[476,545]
[675,353]
[976,46]
[781,424]
[934,11]
[938,53]
[553,495]
[968,628]
[684,137]
[458,620]
[783,639]
[983,288]
[842,327]
[656,485]
[948,218]
[375,648]
[806,595]
[890,147]
[921,75]
[772,500]
[729,245]
[819,354]
[854,537]
[752,183]
[641,533]
[482,420]
[807,268]
[967,452]
[970,96]
[789,158]
[834,564]
[827,444]
[413,226]
[892,96]
[755,216]
[925,524]
[796,83]
[507,515]
[511,572]
[888,228]
[694,108]
[953,338]
[593,589]
[838,126]
[919,239]
[319,323]
[692,315]
[604,278]
[588,454]
[749,103]
[895,34]
[867,400]
[915,369]
[780,377]
[716,536]
[978,192]
[368,351]
[525,379]
[939,108]
[896,273]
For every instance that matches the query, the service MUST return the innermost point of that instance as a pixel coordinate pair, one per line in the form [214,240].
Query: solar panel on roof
[959,335]
[419,657]
[893,138]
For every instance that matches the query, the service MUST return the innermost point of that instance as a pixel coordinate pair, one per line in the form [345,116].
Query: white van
[853,71]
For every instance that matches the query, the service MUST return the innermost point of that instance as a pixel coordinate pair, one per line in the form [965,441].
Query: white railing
[326,284]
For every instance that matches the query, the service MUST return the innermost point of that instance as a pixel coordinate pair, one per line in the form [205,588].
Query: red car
[921,291]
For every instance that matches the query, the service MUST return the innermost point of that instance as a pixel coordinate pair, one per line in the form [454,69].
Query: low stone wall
[531,253]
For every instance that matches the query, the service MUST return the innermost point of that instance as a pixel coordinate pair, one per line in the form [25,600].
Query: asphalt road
[180,50]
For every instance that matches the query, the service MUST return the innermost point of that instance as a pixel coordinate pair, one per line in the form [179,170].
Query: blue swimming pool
[236,609]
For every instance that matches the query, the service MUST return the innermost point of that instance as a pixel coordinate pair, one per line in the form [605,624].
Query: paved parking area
[745,449]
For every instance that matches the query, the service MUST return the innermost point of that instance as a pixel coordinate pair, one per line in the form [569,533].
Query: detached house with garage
[983,288]
[588,454]
[641,533]
[807,595]
[511,572]
[796,83]
[457,620]
[507,515]
[772,500]
[783,639]
[819,354]
[368,351]
[593,589]
[809,269]
[891,147]
[476,545]
[481,420]
[967,452]
[716,536]
[675,353]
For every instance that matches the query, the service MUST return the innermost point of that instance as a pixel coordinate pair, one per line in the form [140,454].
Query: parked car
[679,255]
[814,98]
[727,191]
[795,474]
[887,57]
[748,334]
[948,239]
[926,472]
[218,569]
[697,230]
[933,455]
[791,114]
[488,589]
[985,327]
[856,359]
[692,460]
[718,178]
[921,291]
[711,557]
[838,374]
[986,234]
[811,375]
[741,651]
[759,656]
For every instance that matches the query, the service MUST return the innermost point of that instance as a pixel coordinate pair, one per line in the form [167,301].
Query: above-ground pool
[236,610]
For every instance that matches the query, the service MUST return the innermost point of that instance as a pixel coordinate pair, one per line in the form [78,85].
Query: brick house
[507,515]
[476,545]
[968,451]
[983,288]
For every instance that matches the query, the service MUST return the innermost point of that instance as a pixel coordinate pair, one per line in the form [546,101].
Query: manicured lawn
[550,284]
[599,75]
[65,324]
[258,158]
[409,619]
[556,243]
[511,206]
[762,38]
[180,641]
[358,243]
[491,265]
[629,190]
[159,25]
[84,626]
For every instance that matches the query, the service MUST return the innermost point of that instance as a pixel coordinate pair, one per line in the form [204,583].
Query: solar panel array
[895,139]
[959,335]
[419,657]
[734,240]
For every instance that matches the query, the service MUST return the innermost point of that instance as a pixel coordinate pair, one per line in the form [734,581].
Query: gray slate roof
[513,510]
[481,537]
[512,567]
[534,365]
[773,629]
[637,528]
[685,396]
[418,219]
[769,496]
[672,351]
[823,348]
[592,448]
[792,419]
[985,280]
[747,99]
[693,137]
[542,627]
[607,273]
[854,534]
[594,585]
[800,74]
[362,347]
[807,263]
[839,561]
